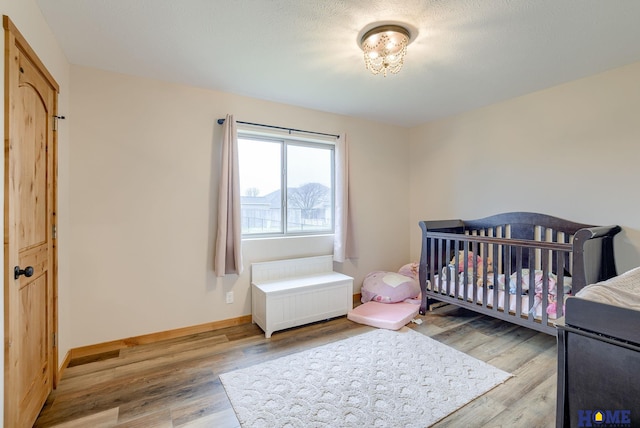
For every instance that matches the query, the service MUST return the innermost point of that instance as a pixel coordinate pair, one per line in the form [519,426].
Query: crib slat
[465,273]
[432,259]
[496,285]
[448,281]
[451,271]
[474,276]
[545,287]
[518,269]
[560,286]
[533,263]
[485,273]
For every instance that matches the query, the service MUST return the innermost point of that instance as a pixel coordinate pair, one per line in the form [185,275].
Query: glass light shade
[384,48]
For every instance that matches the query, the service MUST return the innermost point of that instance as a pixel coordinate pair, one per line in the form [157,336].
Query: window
[286,185]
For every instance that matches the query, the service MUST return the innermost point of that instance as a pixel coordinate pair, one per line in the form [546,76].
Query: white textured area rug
[382,378]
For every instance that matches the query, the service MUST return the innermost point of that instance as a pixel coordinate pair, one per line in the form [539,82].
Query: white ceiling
[466,54]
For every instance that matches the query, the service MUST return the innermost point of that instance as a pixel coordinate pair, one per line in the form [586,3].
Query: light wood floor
[175,383]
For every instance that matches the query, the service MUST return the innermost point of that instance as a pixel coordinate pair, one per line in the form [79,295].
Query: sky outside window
[260,166]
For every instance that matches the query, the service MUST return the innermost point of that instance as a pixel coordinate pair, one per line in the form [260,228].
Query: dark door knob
[28,271]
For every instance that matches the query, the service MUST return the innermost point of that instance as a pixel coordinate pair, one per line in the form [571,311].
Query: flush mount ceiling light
[384,48]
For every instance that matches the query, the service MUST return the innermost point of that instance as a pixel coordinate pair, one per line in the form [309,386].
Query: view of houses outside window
[297,199]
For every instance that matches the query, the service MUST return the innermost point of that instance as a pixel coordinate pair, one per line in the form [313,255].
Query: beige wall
[144,166]
[571,151]
[26,16]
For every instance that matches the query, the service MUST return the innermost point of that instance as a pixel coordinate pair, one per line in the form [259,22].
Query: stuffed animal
[481,265]
[461,264]
[472,261]
[410,270]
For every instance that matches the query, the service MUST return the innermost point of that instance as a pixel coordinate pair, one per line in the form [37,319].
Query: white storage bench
[293,292]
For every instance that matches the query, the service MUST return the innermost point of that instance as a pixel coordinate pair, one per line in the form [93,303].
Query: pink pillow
[388,287]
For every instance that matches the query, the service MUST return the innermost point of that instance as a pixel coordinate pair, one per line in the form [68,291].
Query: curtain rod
[221,121]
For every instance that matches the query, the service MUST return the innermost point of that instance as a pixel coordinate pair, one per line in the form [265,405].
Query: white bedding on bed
[622,290]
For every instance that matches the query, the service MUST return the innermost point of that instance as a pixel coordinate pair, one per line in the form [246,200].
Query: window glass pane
[260,182]
[309,189]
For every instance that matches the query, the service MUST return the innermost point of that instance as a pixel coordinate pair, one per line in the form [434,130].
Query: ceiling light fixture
[384,48]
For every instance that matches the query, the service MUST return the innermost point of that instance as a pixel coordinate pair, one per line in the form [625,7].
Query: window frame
[286,140]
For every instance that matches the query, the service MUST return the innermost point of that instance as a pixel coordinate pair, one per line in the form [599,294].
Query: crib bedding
[531,298]
[525,279]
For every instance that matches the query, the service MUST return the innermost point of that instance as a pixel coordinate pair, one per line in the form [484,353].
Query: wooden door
[30,286]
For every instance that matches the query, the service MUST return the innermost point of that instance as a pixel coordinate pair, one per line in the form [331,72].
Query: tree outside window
[296,199]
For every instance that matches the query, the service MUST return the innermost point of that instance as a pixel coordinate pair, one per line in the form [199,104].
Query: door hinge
[54,231]
[55,121]
[54,340]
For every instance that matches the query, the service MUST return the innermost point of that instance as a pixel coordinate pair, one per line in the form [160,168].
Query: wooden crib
[516,266]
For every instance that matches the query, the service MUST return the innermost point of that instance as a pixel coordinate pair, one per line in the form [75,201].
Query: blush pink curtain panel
[228,250]
[343,241]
